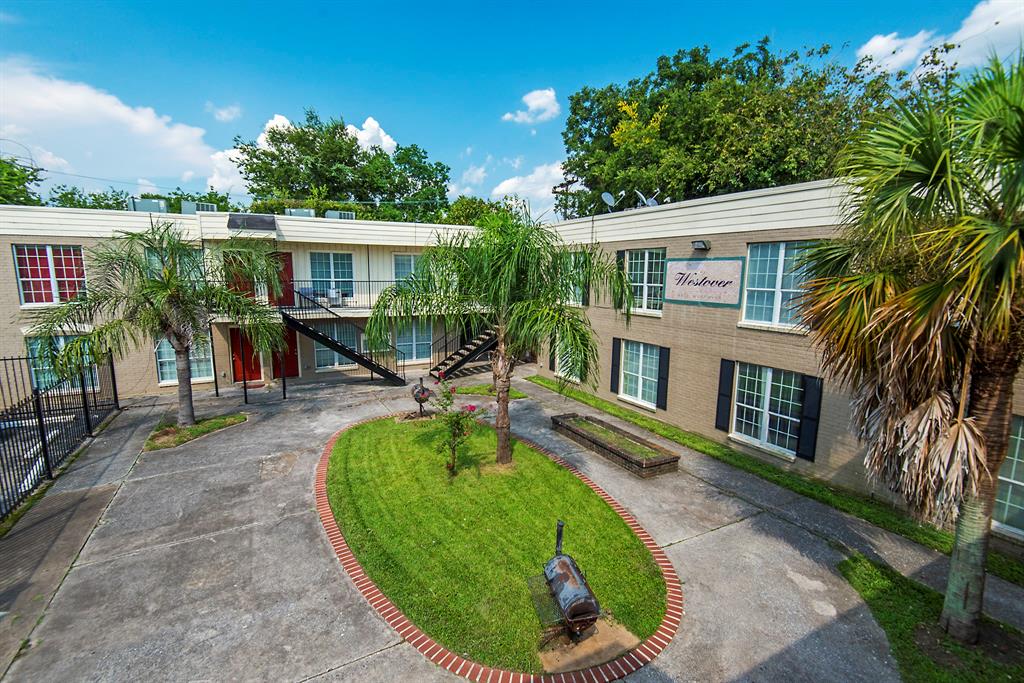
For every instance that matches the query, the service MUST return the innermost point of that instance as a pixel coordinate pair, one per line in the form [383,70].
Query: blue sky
[153,93]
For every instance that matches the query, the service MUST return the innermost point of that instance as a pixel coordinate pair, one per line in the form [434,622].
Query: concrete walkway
[209,562]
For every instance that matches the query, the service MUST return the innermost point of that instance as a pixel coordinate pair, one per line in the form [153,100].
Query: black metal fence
[44,419]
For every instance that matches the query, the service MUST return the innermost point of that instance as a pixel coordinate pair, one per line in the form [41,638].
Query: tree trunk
[991,397]
[502,368]
[186,411]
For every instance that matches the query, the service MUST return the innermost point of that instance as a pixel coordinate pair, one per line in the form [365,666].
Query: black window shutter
[616,358]
[723,411]
[620,258]
[807,442]
[551,355]
[663,377]
[585,299]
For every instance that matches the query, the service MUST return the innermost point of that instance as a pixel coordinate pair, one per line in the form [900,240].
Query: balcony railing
[362,294]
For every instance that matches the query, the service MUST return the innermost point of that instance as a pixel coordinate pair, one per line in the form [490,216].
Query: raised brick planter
[642,467]
[618,668]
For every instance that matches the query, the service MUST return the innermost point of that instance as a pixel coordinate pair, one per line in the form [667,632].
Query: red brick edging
[616,669]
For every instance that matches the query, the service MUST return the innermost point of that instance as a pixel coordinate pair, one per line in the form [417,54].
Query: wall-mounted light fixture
[701,245]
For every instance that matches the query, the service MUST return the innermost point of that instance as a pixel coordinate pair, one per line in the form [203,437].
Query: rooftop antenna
[611,201]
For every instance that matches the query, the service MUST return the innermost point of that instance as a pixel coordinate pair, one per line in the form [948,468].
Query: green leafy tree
[321,160]
[73,197]
[471,210]
[17,183]
[698,126]
[156,284]
[515,277]
[919,306]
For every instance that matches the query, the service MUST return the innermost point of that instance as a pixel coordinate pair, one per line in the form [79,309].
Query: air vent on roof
[251,221]
[342,215]
[307,213]
[147,205]
[194,207]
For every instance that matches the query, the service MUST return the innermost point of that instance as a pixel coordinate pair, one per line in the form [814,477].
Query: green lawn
[455,553]
[168,435]
[876,512]
[486,390]
[909,614]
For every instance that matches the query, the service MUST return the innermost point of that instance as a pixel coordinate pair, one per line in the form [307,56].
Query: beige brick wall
[701,336]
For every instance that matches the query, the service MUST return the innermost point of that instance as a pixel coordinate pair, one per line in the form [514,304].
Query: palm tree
[919,306]
[515,277]
[156,284]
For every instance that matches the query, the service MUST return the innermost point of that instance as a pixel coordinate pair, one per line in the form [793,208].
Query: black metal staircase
[303,313]
[455,357]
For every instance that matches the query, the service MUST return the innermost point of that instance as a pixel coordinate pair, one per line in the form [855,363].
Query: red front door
[285,277]
[244,359]
[289,355]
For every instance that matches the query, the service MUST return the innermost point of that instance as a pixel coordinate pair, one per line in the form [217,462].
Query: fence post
[284,377]
[85,401]
[42,432]
[113,380]
[245,382]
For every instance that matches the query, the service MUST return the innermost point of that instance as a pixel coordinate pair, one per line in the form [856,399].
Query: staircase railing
[318,322]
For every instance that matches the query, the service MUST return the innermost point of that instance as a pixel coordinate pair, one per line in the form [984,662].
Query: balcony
[341,296]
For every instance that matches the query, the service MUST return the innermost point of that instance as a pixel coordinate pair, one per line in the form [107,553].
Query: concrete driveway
[210,563]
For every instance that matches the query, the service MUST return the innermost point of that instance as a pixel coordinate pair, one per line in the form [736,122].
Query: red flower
[470,408]
[451,389]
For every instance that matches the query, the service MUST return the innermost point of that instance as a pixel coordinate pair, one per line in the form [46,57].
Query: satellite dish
[643,199]
[608,199]
[652,201]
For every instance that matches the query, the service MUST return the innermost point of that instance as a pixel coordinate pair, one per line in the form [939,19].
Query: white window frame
[54,289]
[196,379]
[415,262]
[414,323]
[764,411]
[576,298]
[1003,527]
[333,333]
[638,400]
[62,339]
[778,290]
[334,279]
[644,299]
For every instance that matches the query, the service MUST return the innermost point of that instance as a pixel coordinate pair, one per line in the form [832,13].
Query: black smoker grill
[569,587]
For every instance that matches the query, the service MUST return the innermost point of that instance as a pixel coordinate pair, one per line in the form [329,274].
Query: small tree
[458,423]
[156,284]
[517,278]
[919,306]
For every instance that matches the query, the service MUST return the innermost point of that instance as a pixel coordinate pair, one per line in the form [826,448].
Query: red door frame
[243,353]
[286,277]
[290,355]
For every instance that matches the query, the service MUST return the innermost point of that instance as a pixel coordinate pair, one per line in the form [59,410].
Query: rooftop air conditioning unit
[147,205]
[188,207]
[307,213]
[341,215]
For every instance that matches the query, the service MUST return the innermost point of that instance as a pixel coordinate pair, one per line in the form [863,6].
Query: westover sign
[704,282]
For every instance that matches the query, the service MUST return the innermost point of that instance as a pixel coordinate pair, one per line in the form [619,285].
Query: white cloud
[275,121]
[225,176]
[474,175]
[146,187]
[541,105]
[372,135]
[187,176]
[535,187]
[224,114]
[993,26]
[467,152]
[455,190]
[47,159]
[514,162]
[892,52]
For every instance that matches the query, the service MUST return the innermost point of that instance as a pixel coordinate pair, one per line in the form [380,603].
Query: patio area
[209,561]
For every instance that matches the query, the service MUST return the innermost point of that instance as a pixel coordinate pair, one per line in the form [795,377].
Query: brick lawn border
[616,669]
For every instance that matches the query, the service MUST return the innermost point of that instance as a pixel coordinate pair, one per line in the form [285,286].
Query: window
[1009,508]
[640,372]
[346,333]
[576,260]
[769,403]
[192,268]
[331,271]
[646,270]
[560,365]
[405,265]
[49,273]
[414,339]
[200,360]
[43,375]
[774,281]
